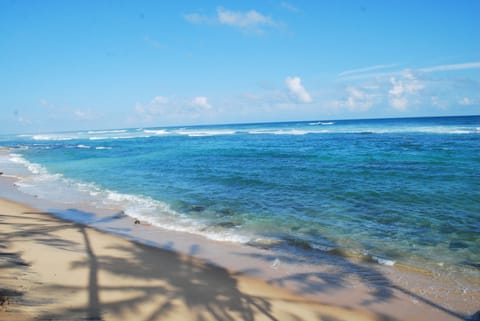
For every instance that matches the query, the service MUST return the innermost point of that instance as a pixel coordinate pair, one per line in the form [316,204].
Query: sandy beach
[53,269]
[59,270]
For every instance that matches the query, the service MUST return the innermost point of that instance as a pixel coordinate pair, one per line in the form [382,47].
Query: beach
[339,220]
[58,270]
[54,269]
[240,160]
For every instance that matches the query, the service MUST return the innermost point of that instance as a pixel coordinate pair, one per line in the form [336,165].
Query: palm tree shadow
[197,285]
[174,282]
[310,283]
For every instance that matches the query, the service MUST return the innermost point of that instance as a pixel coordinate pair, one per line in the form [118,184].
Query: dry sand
[57,270]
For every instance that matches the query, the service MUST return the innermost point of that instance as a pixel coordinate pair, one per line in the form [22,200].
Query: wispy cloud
[296,89]
[153,42]
[56,112]
[359,99]
[364,70]
[157,106]
[468,65]
[407,90]
[20,119]
[355,99]
[45,103]
[289,6]
[379,71]
[85,114]
[178,110]
[251,20]
[196,18]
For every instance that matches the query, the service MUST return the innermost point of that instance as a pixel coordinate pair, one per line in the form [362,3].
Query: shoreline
[383,291]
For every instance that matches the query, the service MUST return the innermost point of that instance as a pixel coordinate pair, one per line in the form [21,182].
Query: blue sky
[68,65]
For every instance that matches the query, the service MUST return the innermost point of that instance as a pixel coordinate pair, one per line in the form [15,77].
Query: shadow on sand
[175,280]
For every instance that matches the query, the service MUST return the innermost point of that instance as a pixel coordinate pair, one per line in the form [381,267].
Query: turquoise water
[395,190]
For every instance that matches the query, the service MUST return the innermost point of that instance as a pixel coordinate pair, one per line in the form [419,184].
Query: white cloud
[399,103]
[403,89]
[358,100]
[160,100]
[201,102]
[244,20]
[249,19]
[465,101]
[159,105]
[294,85]
[409,90]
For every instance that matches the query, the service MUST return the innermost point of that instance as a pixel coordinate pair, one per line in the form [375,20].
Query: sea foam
[44,184]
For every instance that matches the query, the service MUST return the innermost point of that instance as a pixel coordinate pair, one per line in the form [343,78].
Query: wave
[308,128]
[444,130]
[107,131]
[45,185]
[286,132]
[81,146]
[119,137]
[52,137]
[32,167]
[156,131]
[204,133]
[319,123]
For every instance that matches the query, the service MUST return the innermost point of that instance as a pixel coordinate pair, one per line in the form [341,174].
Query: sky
[71,65]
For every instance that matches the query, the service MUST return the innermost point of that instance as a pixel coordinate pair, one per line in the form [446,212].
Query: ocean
[394,191]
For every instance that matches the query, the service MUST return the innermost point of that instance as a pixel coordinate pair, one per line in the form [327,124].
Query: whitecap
[318,123]
[52,137]
[193,133]
[291,132]
[156,131]
[107,131]
[279,132]
[32,167]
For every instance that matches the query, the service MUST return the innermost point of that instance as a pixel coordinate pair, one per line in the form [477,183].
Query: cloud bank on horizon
[75,65]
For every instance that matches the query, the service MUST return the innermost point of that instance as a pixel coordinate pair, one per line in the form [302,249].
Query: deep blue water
[404,190]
